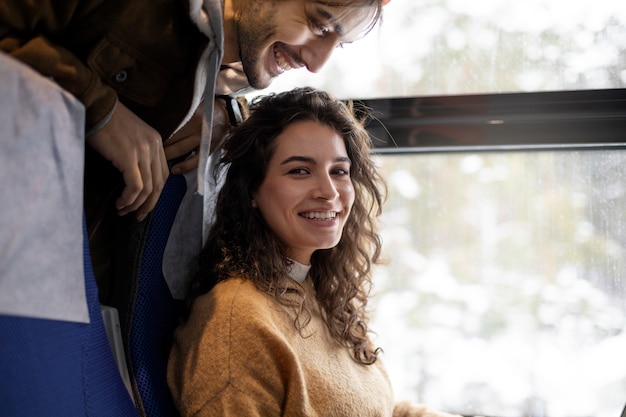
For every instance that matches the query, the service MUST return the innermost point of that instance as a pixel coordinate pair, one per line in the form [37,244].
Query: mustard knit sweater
[239,354]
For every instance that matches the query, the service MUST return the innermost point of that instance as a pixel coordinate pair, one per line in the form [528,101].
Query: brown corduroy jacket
[142,52]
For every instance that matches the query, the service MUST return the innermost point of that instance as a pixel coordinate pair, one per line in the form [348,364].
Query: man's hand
[136,150]
[188,138]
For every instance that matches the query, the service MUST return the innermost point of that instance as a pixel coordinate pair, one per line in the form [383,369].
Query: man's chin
[259,80]
[260,83]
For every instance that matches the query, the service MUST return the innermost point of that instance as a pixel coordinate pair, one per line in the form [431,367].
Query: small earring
[254,205]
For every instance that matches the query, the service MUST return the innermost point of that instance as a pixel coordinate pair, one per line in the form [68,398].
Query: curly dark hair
[240,243]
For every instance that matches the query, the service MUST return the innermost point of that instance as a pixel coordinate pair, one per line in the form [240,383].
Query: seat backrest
[61,368]
[55,357]
[148,312]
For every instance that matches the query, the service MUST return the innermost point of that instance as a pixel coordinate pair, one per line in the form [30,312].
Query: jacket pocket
[128,72]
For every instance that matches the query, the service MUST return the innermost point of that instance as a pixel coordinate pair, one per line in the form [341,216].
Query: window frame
[583,119]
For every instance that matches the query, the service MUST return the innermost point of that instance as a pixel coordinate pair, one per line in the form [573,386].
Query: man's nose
[317,53]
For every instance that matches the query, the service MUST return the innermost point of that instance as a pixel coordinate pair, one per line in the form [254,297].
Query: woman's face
[307,192]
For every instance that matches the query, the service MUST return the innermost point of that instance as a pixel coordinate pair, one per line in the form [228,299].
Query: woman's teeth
[322,215]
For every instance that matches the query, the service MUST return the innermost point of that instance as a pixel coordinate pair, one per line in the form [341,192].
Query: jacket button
[121,76]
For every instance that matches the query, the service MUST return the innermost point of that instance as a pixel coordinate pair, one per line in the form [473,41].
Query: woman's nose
[326,189]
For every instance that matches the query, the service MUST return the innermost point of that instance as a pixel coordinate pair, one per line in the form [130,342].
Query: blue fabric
[155,313]
[59,368]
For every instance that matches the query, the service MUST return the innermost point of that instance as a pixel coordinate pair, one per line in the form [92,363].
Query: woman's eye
[299,171]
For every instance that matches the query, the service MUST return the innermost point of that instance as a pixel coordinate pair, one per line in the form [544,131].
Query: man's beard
[255,27]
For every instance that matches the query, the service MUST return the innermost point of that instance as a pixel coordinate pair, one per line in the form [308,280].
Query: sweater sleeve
[232,402]
[27,28]
[225,361]
[406,409]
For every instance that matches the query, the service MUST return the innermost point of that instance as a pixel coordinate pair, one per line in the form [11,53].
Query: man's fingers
[159,177]
[182,147]
[133,185]
[186,166]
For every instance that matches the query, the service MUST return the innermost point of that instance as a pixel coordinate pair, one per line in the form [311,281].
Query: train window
[501,131]
[436,47]
[505,292]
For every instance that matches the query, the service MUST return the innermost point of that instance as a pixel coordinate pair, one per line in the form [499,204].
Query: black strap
[232,107]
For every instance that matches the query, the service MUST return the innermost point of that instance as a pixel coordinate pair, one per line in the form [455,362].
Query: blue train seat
[148,312]
[55,357]
[61,368]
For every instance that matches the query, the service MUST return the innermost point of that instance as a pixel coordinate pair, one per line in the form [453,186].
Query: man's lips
[285,59]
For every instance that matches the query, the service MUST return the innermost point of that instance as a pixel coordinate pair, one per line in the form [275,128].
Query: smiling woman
[283,288]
